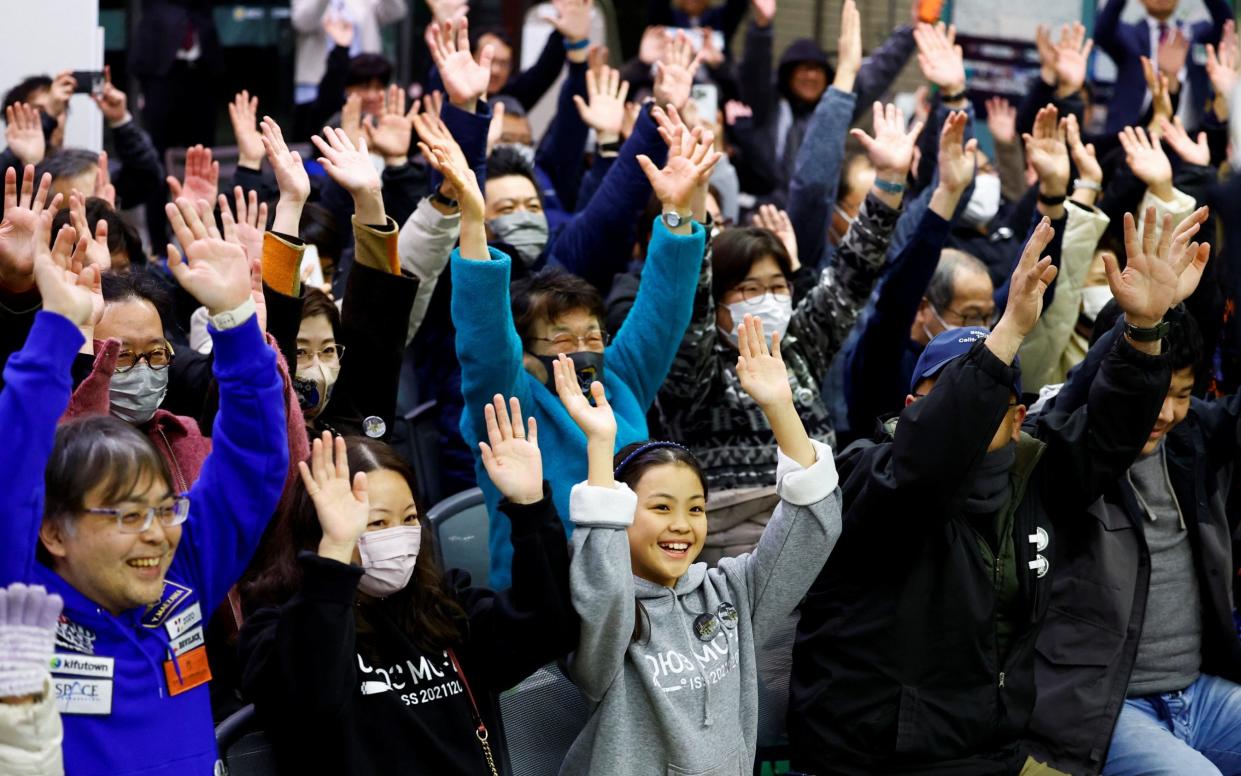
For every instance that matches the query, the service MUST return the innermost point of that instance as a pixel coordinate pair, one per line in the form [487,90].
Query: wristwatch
[1153,334]
[231,319]
[673,219]
[438,198]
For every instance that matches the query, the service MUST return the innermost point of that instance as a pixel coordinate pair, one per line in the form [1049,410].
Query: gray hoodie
[671,703]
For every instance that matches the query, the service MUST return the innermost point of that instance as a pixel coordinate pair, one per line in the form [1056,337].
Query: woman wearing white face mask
[366,658]
[749,271]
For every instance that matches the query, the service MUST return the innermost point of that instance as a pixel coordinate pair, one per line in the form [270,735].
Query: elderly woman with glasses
[98,512]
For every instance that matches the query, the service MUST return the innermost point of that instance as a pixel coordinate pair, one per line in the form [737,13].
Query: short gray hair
[943,287]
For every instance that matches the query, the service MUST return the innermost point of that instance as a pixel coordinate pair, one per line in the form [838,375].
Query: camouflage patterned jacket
[701,402]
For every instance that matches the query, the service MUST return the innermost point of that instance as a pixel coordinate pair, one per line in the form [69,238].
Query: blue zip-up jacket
[634,366]
[109,672]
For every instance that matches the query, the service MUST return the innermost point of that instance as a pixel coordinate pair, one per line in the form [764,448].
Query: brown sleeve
[376,247]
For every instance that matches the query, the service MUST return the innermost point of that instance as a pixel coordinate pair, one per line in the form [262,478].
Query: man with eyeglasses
[95,513]
[915,647]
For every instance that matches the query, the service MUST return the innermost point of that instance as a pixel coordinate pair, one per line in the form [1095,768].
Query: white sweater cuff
[802,487]
[591,505]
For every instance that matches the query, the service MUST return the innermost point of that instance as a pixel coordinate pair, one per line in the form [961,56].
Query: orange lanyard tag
[194,671]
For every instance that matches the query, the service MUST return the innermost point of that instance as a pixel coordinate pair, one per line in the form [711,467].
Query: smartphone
[706,98]
[88,81]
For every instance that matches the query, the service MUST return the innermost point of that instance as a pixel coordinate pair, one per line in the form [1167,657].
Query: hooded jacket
[1086,652]
[669,702]
[132,687]
[912,655]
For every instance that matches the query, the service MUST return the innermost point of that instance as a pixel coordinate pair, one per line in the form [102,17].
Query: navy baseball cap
[948,347]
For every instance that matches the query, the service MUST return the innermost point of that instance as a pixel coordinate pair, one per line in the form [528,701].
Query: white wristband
[231,319]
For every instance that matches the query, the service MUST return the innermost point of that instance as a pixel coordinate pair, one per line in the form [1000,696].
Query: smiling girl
[667,649]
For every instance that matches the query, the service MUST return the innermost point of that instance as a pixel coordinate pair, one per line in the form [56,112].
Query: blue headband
[644,448]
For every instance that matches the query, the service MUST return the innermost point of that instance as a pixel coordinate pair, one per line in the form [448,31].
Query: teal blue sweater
[634,366]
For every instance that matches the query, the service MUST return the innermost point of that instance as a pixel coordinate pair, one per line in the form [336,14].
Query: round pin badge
[374,427]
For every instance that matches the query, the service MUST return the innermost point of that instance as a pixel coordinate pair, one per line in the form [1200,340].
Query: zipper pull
[1001,679]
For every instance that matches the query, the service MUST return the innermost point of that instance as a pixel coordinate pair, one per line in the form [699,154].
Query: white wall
[48,36]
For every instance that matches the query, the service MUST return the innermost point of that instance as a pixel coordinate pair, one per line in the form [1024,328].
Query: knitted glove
[28,619]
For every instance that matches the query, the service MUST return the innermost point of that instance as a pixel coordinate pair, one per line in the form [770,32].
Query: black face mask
[989,485]
[586,363]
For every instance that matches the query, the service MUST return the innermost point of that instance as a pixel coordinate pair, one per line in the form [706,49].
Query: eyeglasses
[967,319]
[753,292]
[564,343]
[136,521]
[156,358]
[707,625]
[329,355]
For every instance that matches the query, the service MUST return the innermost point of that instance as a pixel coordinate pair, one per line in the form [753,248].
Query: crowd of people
[743,359]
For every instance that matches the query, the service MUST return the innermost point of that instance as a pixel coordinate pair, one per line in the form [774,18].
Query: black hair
[547,295]
[499,33]
[139,283]
[425,609]
[318,227]
[121,235]
[637,464]
[505,161]
[28,86]
[315,302]
[1184,342]
[67,163]
[365,68]
[98,453]
[734,251]
[512,105]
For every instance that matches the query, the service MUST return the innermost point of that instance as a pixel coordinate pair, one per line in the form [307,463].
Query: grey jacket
[670,703]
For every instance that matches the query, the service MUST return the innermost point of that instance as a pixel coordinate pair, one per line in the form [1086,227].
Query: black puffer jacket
[897,666]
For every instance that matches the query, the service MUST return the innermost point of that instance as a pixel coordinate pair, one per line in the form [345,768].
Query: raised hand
[1148,161]
[1148,285]
[1088,167]
[447,10]
[1222,68]
[351,118]
[495,128]
[1030,280]
[572,19]
[891,150]
[243,113]
[250,224]
[957,162]
[653,46]
[1172,54]
[59,93]
[674,74]
[1072,55]
[95,251]
[339,29]
[1161,91]
[459,179]
[511,453]
[597,422]
[940,58]
[1047,151]
[213,270]
[29,619]
[465,80]
[690,160]
[764,12]
[1190,256]
[605,111]
[1192,152]
[712,55]
[849,60]
[66,287]
[343,508]
[392,133]
[19,231]
[777,221]
[112,102]
[103,181]
[1047,54]
[351,168]
[760,370]
[291,178]
[1002,120]
[202,176]
[433,132]
[24,133]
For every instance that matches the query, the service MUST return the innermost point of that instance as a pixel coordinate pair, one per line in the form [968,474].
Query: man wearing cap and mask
[915,645]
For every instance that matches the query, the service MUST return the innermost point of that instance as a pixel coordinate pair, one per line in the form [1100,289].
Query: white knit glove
[28,619]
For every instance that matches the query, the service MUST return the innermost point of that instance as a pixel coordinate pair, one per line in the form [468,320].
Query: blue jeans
[1194,731]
